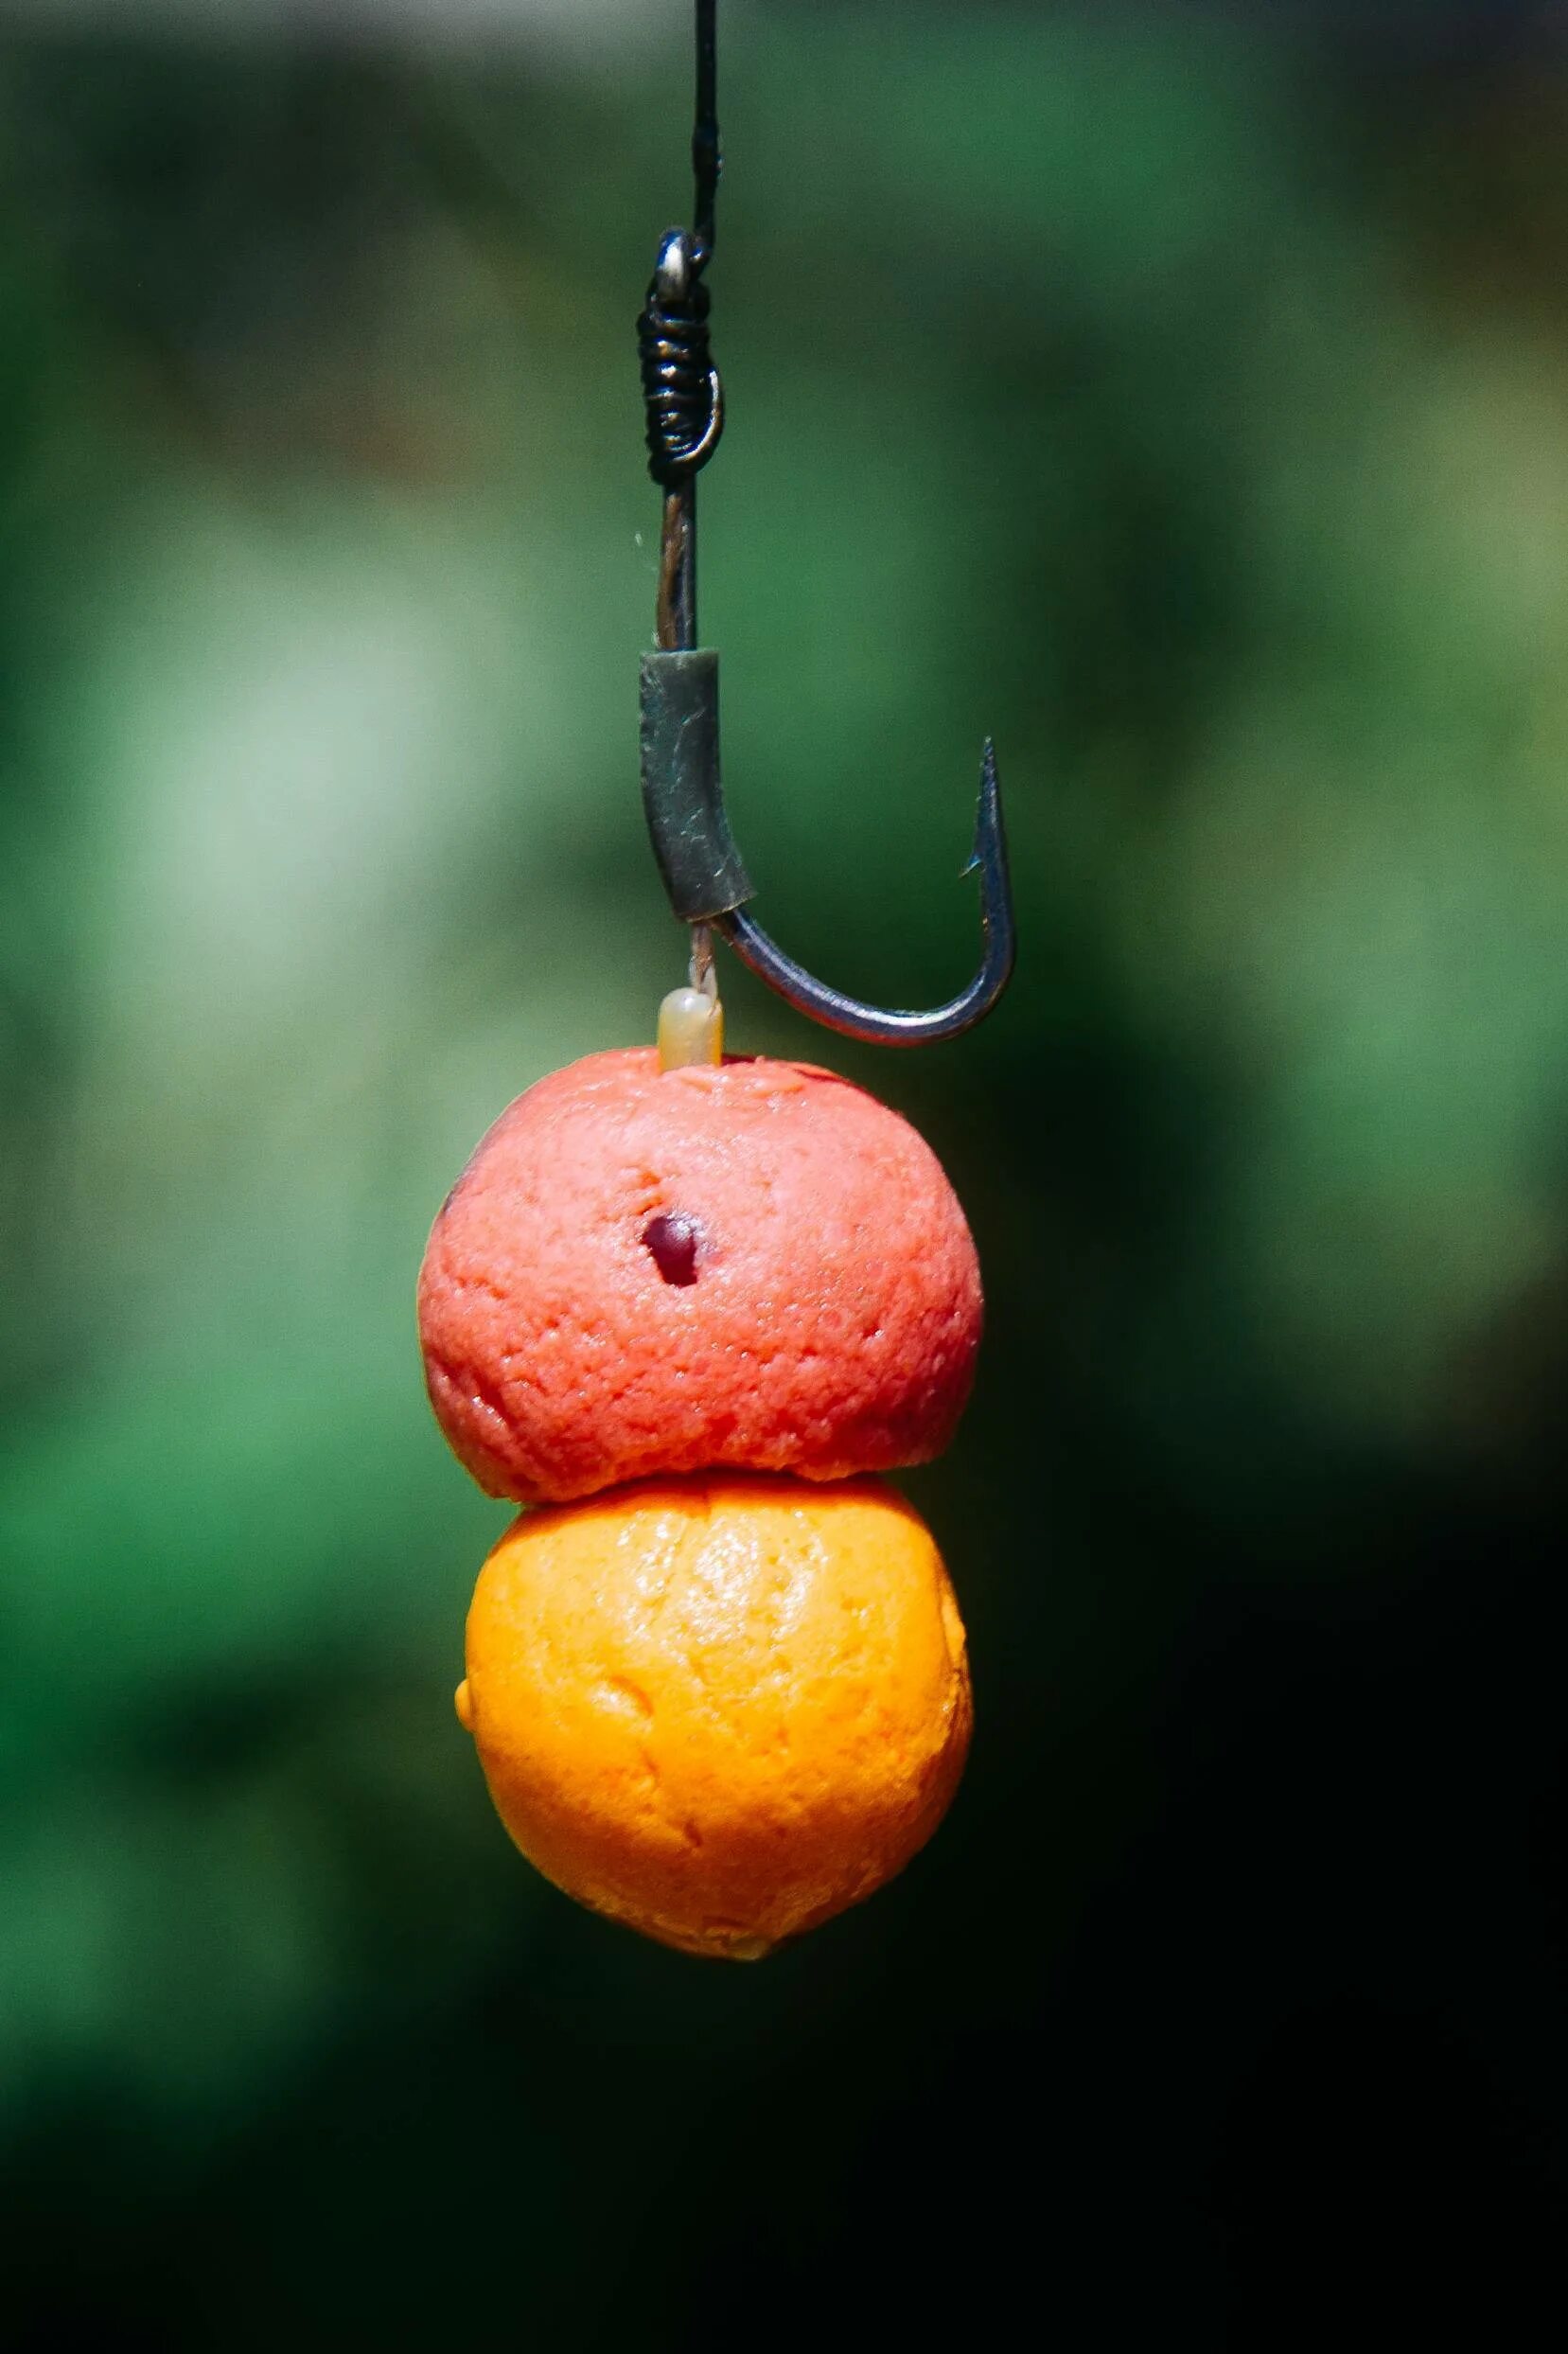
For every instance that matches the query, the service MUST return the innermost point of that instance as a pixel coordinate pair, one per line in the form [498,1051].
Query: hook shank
[682,797]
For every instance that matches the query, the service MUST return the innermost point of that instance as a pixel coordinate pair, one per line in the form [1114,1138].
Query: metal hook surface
[682,793]
[882,1025]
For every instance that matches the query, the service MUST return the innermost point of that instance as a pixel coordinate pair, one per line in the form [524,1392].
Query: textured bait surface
[755,1267]
[719,1710]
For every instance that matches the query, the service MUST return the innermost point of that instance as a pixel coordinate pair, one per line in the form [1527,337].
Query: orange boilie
[719,1709]
[717,1682]
[757,1267]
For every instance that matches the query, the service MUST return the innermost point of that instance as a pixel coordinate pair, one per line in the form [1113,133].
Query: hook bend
[707,879]
[882,1025]
[707,883]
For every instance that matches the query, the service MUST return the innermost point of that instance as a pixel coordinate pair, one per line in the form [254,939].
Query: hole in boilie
[673,1241]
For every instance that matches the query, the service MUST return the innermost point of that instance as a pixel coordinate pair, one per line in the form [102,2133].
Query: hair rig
[698,1308]
[682,794]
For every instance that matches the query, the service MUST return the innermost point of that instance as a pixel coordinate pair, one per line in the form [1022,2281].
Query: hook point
[988,808]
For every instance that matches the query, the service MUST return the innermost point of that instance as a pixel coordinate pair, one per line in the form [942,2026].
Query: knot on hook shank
[680,385]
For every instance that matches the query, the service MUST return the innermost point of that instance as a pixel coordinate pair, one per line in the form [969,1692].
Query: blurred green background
[1182,395]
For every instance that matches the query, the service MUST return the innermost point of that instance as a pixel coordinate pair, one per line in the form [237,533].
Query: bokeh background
[1182,394]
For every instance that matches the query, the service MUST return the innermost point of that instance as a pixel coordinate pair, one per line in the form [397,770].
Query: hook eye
[682,387]
[674,273]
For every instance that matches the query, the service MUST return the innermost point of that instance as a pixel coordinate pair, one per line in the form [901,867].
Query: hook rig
[682,793]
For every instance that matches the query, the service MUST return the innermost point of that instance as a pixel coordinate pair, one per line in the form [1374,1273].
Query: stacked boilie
[717,1683]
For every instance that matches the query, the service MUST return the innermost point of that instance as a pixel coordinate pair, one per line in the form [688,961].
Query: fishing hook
[682,793]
